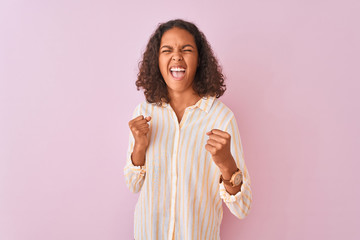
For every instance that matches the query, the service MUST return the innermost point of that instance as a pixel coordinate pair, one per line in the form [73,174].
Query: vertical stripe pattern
[180,195]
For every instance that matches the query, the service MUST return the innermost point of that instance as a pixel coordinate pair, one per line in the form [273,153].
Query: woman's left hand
[218,145]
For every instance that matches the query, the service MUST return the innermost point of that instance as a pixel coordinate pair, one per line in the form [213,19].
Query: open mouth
[177,72]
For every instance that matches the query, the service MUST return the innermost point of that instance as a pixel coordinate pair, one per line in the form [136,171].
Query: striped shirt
[180,194]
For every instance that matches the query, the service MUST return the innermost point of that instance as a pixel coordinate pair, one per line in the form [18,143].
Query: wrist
[139,149]
[229,169]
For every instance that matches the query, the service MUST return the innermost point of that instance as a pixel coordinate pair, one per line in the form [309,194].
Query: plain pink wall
[67,92]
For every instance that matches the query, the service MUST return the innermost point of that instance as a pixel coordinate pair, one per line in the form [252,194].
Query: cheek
[193,60]
[164,59]
[162,65]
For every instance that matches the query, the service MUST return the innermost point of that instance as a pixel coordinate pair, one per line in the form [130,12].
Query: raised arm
[227,153]
[135,168]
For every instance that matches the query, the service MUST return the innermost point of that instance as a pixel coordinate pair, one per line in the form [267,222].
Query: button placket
[174,160]
[174,176]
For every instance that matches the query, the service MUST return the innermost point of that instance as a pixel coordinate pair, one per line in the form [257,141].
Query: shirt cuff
[227,197]
[139,169]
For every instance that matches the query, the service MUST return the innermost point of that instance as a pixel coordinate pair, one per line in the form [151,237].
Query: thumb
[148,118]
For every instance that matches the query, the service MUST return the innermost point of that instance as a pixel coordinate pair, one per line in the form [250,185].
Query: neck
[183,100]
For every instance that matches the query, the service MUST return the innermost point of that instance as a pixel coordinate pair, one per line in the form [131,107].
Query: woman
[185,154]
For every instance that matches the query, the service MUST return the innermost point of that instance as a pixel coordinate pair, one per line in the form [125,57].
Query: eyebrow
[187,45]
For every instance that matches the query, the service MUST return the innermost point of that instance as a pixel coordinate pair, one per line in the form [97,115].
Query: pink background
[67,92]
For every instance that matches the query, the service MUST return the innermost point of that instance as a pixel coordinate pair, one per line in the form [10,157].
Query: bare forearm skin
[138,156]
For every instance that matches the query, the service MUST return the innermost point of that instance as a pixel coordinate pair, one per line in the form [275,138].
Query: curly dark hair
[209,79]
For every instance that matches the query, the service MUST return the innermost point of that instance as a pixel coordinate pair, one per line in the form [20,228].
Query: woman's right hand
[139,128]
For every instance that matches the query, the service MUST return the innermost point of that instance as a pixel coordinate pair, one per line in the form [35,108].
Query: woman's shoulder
[218,104]
[144,107]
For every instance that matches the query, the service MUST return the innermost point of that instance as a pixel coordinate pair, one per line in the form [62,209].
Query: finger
[140,128]
[144,128]
[219,132]
[136,119]
[145,120]
[140,119]
[140,122]
[214,143]
[210,149]
[218,138]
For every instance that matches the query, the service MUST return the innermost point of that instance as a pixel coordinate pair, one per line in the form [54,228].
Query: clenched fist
[218,145]
[139,128]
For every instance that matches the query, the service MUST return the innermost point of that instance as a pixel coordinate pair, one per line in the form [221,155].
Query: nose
[177,57]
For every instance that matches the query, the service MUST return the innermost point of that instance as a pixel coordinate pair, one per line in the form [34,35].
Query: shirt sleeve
[240,203]
[134,175]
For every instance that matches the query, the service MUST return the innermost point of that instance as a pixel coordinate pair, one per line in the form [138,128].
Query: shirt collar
[205,103]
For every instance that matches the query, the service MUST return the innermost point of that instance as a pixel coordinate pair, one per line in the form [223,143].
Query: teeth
[177,69]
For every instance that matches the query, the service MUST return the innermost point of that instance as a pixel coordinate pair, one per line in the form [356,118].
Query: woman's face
[178,59]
